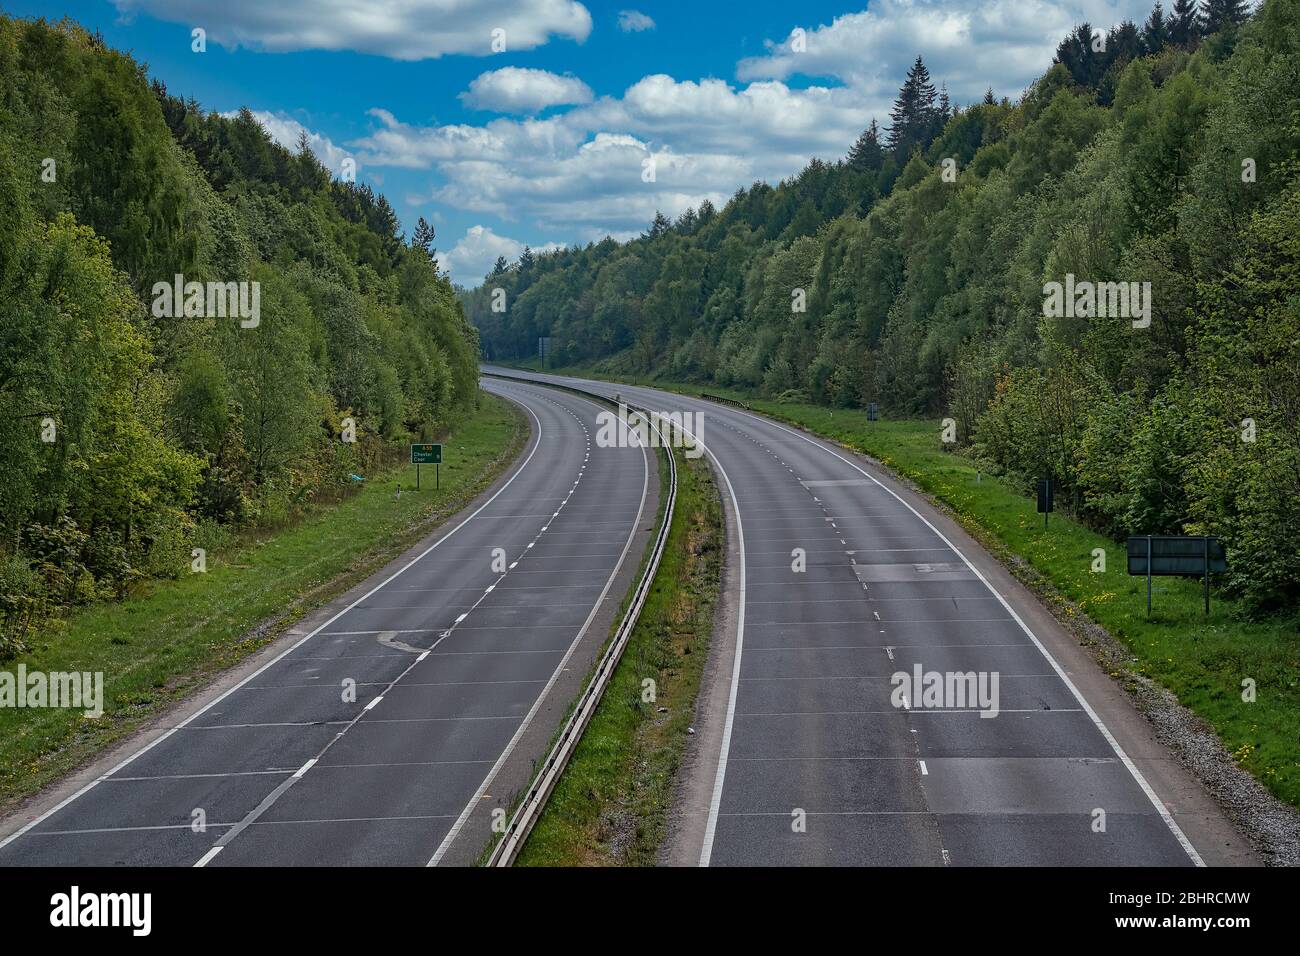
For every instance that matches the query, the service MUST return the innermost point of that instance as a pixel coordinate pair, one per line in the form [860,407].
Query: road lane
[370,740]
[818,763]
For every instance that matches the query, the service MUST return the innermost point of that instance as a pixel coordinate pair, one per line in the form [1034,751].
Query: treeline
[132,433]
[914,273]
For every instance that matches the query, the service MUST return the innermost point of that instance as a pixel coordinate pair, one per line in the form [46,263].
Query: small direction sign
[426,454]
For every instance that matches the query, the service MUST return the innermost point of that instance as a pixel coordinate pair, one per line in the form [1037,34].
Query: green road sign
[426,454]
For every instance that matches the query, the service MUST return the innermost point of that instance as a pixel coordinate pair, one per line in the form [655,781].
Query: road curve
[819,764]
[375,737]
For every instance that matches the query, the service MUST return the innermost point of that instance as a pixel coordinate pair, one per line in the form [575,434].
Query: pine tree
[1185,24]
[913,115]
[501,266]
[424,236]
[988,97]
[867,153]
[1076,53]
[526,259]
[1217,14]
[1155,32]
[660,225]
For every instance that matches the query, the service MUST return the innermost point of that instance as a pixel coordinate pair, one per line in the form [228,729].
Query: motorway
[385,734]
[813,763]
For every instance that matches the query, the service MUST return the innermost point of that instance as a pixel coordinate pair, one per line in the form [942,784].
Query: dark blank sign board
[1175,555]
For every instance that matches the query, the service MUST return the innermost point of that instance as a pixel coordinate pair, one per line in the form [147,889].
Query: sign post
[873,411]
[1045,502]
[427,454]
[1184,556]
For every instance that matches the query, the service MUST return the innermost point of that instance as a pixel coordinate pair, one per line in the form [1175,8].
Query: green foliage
[123,429]
[1170,157]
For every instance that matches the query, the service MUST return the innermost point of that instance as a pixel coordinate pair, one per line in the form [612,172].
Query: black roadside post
[1206,541]
[417,476]
[1045,499]
[1148,575]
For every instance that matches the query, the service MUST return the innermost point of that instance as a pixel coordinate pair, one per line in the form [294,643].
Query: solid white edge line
[456,827]
[1141,780]
[1165,815]
[212,703]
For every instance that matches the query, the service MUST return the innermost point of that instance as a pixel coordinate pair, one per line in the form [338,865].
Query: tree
[1185,24]
[424,236]
[913,115]
[1079,54]
[1218,14]
[867,153]
[659,226]
[1155,32]
[500,266]
[988,97]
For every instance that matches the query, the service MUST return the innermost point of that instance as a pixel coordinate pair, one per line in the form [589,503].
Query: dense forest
[914,273]
[128,439]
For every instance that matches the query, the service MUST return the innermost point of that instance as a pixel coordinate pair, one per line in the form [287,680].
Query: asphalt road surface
[818,763]
[449,659]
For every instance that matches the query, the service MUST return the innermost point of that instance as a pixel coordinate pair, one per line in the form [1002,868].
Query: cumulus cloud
[476,253]
[514,89]
[582,172]
[402,30]
[285,130]
[634,21]
[1005,44]
[608,166]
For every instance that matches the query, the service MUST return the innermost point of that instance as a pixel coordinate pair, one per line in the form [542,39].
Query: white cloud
[577,173]
[582,170]
[513,89]
[1005,44]
[400,29]
[476,253]
[634,21]
[285,130]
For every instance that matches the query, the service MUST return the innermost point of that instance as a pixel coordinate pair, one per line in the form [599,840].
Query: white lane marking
[207,857]
[304,768]
[456,827]
[271,663]
[924,771]
[371,705]
[1165,815]
[706,850]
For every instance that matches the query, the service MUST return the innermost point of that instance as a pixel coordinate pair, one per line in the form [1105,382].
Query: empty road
[814,761]
[387,733]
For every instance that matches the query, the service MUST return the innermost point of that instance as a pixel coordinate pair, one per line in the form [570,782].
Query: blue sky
[552,140]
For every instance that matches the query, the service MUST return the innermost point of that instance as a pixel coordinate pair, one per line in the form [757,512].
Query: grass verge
[1203,661]
[610,806]
[156,648]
